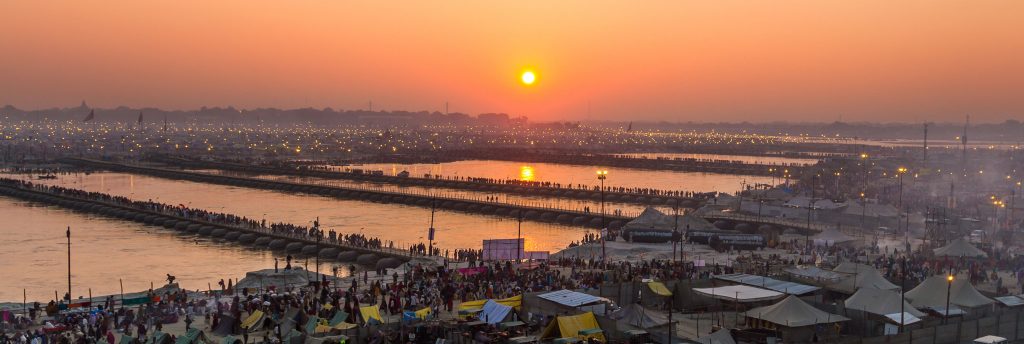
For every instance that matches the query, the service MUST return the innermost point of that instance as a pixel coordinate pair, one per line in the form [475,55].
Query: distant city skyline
[800,61]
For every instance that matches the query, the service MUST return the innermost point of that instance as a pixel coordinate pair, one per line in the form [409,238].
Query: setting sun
[528,77]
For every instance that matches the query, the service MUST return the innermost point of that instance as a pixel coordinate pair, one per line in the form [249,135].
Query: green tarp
[136,301]
[190,337]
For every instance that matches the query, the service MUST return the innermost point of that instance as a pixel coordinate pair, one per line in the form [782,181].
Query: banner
[504,249]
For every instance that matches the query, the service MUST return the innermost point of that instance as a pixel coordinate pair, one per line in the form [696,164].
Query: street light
[899,204]
[949,286]
[602,175]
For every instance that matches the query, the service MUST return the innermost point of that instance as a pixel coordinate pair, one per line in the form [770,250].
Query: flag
[89,117]
[140,117]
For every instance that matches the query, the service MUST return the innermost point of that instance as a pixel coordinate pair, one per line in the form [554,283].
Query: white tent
[723,336]
[867,277]
[959,248]
[793,312]
[880,302]
[932,294]
[494,312]
[652,218]
[639,317]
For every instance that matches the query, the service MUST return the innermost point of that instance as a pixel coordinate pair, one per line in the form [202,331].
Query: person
[170,279]
[275,265]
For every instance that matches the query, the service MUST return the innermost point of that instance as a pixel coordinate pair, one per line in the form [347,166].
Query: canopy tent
[959,248]
[932,293]
[739,293]
[192,336]
[793,312]
[640,317]
[493,312]
[880,302]
[831,236]
[865,278]
[723,336]
[581,326]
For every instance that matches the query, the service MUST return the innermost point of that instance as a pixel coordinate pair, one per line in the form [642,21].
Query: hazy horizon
[723,61]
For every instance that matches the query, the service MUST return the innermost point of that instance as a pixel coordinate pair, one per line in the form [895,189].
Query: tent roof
[723,336]
[851,268]
[833,235]
[652,218]
[570,326]
[570,298]
[867,278]
[932,293]
[814,273]
[959,248]
[636,315]
[879,302]
[494,312]
[793,312]
[739,293]
[769,283]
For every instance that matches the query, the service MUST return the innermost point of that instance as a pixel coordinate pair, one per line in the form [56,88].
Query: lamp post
[949,287]
[602,175]
[810,207]
[903,287]
[899,203]
[69,264]
[430,231]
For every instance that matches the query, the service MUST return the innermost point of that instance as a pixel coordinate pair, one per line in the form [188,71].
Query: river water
[105,250]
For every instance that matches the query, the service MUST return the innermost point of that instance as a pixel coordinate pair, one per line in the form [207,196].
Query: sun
[528,77]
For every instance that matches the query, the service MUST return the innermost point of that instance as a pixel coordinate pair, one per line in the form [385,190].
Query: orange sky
[880,60]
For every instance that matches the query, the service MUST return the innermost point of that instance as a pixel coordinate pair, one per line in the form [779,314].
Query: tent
[582,326]
[253,322]
[739,293]
[192,336]
[723,336]
[654,226]
[421,314]
[226,326]
[493,312]
[477,305]
[293,337]
[880,302]
[793,312]
[659,288]
[813,273]
[831,236]
[959,248]
[851,268]
[640,317]
[932,294]
[312,323]
[339,317]
[231,340]
[158,337]
[371,312]
[126,339]
[865,278]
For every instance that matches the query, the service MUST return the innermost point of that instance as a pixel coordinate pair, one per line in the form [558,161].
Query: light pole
[602,175]
[899,203]
[810,207]
[430,232]
[903,287]
[949,287]
[69,264]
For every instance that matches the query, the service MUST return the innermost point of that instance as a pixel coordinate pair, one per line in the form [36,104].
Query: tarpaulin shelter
[932,294]
[338,318]
[831,237]
[786,287]
[723,336]
[493,312]
[293,337]
[312,323]
[253,322]
[514,302]
[158,337]
[421,314]
[371,312]
[126,339]
[192,336]
[226,326]
[880,302]
[581,326]
[659,288]
[959,248]
[565,300]
[639,316]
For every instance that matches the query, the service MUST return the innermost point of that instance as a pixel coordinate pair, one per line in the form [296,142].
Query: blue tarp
[494,312]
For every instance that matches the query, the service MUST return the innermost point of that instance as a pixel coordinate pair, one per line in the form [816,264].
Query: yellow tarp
[371,312]
[570,326]
[339,326]
[423,313]
[514,302]
[252,319]
[659,288]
